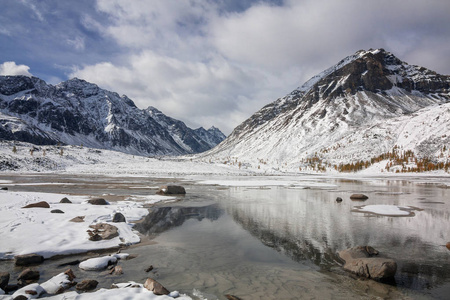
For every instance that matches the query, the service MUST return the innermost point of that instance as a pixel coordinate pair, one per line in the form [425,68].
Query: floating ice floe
[387,210]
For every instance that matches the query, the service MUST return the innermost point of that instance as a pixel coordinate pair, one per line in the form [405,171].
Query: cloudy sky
[212,62]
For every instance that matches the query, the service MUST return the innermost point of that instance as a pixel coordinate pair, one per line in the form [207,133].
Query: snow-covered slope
[76,112]
[358,109]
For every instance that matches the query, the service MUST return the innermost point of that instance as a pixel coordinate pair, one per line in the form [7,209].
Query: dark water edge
[276,242]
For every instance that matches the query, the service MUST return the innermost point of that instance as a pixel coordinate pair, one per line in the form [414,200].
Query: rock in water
[56,211]
[28,259]
[338,199]
[359,197]
[155,287]
[4,280]
[448,245]
[87,285]
[171,190]
[361,260]
[28,274]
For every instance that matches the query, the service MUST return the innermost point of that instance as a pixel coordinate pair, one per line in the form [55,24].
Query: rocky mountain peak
[79,112]
[364,90]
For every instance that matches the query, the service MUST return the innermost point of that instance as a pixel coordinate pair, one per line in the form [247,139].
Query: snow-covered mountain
[364,106]
[191,140]
[76,112]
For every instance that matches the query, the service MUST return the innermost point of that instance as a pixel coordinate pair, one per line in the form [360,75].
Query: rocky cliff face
[76,112]
[368,92]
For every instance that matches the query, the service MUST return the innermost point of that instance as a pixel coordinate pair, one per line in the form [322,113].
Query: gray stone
[29,274]
[98,201]
[4,280]
[119,217]
[87,285]
[78,219]
[171,190]
[28,259]
[155,287]
[65,200]
[364,261]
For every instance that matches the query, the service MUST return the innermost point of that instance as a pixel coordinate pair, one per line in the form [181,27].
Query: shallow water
[280,242]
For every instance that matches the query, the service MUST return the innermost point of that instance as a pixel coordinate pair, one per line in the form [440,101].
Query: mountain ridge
[76,112]
[362,91]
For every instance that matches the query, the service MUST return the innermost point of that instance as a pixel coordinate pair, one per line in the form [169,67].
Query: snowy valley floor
[129,184]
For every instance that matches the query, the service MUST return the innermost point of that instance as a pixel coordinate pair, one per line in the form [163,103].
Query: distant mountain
[76,112]
[364,106]
[192,141]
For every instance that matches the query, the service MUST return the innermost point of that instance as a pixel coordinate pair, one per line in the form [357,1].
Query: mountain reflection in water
[161,219]
[308,226]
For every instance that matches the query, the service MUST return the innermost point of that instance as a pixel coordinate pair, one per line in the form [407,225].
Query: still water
[280,242]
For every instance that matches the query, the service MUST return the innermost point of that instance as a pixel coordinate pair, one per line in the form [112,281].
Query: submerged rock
[171,190]
[361,260]
[448,245]
[338,199]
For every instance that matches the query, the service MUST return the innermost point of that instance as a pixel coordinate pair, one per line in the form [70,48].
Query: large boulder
[171,190]
[41,204]
[28,259]
[155,287]
[364,261]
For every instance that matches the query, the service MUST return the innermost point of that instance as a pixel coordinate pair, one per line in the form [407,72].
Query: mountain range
[366,106]
[76,112]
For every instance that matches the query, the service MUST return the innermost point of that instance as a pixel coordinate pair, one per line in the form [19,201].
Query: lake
[263,241]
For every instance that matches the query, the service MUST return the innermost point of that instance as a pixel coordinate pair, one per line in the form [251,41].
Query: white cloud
[10,68]
[77,43]
[35,10]
[205,66]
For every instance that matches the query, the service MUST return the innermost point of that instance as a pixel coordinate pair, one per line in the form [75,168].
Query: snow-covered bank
[18,157]
[38,230]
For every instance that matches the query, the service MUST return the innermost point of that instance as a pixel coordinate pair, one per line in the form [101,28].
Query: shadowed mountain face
[339,111]
[77,112]
[161,219]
